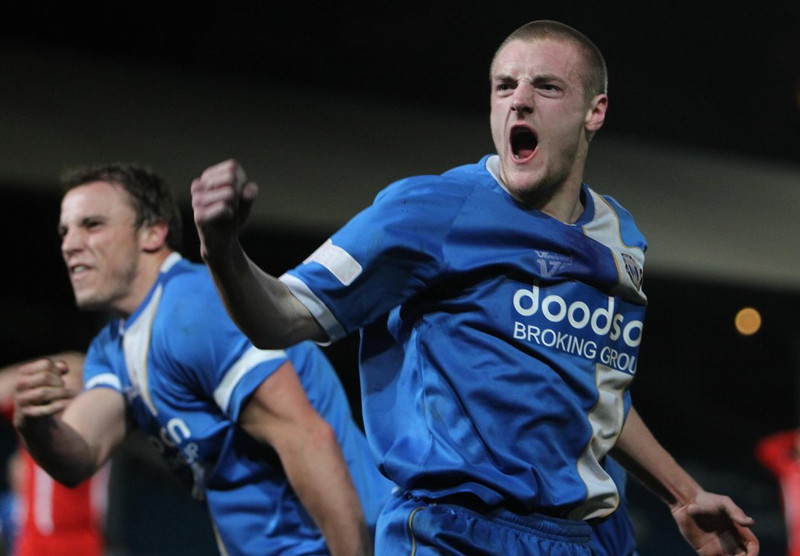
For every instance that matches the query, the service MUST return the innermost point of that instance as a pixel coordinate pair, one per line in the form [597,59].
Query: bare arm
[280,415]
[221,200]
[69,436]
[711,523]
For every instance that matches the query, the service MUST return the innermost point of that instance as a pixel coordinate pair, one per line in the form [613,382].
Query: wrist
[218,252]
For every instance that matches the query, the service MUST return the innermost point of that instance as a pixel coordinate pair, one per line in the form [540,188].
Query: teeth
[78,269]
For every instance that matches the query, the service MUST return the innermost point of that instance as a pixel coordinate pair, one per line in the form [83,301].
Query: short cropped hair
[151,197]
[595,77]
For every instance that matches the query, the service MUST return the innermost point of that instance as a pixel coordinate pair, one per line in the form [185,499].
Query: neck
[147,273]
[563,201]
[565,208]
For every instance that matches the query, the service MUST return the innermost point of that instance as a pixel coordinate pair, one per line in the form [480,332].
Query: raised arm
[711,523]
[280,415]
[69,436]
[260,304]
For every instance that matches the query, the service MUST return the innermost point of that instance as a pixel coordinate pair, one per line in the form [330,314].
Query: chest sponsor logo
[174,443]
[596,332]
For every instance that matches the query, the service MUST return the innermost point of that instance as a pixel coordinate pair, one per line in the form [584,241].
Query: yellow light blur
[747,321]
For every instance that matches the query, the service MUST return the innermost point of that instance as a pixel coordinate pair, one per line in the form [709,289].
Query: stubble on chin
[87,303]
[533,192]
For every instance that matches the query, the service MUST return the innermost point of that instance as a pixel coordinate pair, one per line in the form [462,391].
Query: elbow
[324,436]
[281,339]
[69,477]
[262,342]
[69,473]
[261,336]
[282,330]
[318,437]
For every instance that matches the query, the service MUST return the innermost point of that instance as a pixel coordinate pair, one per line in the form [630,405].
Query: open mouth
[523,142]
[78,269]
[79,272]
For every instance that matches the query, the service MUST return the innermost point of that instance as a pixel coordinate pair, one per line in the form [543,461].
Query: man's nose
[523,100]
[71,241]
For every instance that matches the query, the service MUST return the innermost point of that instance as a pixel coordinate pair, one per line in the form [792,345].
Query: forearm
[58,449]
[260,304]
[711,523]
[317,472]
[73,442]
[644,457]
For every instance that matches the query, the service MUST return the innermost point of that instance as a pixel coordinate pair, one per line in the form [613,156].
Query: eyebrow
[539,78]
[548,77]
[83,221]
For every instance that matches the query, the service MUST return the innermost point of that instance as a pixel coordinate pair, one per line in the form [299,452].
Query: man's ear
[154,238]
[596,114]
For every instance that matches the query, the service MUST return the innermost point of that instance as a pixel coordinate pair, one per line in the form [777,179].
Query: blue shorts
[414,527]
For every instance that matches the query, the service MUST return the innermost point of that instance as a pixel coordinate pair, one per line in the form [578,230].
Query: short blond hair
[595,75]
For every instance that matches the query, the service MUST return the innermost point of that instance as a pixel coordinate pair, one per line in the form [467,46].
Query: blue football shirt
[498,344]
[186,371]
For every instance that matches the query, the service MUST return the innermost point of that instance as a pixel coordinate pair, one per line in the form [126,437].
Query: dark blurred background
[328,102]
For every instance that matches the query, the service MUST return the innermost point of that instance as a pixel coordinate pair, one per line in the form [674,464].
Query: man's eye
[550,90]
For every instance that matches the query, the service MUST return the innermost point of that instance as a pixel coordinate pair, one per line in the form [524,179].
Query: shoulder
[456,182]
[615,205]
[186,272]
[612,215]
[191,316]
[428,202]
[106,337]
[190,286]
[104,358]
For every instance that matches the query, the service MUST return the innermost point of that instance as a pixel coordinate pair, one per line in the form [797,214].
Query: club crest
[634,270]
